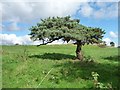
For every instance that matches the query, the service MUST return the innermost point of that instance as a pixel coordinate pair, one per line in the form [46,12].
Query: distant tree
[104,42]
[55,28]
[112,44]
[118,46]
[17,44]
[102,45]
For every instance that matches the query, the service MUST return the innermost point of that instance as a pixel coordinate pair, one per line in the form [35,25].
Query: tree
[104,43]
[65,28]
[112,44]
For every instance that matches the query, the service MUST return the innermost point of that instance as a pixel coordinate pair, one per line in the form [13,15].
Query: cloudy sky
[19,15]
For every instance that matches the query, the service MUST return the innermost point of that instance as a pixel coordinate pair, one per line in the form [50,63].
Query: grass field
[52,66]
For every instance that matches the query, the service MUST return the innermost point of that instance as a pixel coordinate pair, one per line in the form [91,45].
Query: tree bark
[79,54]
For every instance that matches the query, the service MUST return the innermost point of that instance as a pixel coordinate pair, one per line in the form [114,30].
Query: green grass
[26,66]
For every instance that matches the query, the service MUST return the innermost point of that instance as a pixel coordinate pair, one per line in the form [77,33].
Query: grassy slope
[26,69]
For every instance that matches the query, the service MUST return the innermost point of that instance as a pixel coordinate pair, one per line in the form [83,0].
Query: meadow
[53,66]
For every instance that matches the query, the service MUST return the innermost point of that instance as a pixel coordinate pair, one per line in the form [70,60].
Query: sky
[17,16]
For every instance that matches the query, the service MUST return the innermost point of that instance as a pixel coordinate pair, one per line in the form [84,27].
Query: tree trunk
[78,51]
[43,40]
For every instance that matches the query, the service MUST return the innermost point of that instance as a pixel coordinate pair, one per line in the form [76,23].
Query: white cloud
[100,4]
[104,10]
[61,0]
[99,14]
[106,0]
[116,45]
[113,34]
[0,9]
[58,42]
[11,39]
[107,40]
[27,11]
[19,10]
[86,10]
[36,43]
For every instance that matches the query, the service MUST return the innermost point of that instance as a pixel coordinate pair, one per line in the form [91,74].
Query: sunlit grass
[26,66]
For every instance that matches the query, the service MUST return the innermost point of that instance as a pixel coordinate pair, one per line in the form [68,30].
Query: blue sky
[18,17]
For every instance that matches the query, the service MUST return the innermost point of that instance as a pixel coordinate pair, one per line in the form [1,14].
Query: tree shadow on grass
[75,71]
[113,58]
[53,56]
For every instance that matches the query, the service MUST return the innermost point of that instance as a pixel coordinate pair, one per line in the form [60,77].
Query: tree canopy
[55,28]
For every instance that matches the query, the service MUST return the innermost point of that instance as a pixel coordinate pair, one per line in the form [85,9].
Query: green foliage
[55,28]
[88,59]
[98,84]
[95,78]
[112,44]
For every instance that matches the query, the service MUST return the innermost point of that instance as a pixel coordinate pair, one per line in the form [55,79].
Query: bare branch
[49,41]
